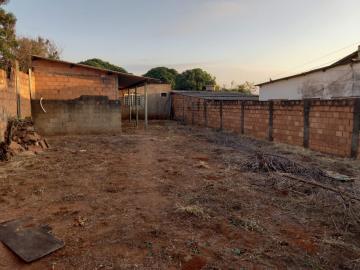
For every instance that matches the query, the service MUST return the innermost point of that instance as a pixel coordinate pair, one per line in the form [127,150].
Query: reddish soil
[175,197]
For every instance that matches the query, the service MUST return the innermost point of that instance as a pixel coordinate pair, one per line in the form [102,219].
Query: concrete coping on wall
[208,95]
[251,101]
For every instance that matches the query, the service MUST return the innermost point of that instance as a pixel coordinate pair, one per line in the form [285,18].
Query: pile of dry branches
[313,183]
[262,162]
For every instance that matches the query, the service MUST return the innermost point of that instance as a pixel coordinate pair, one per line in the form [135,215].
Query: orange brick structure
[14,96]
[57,80]
[328,126]
[288,123]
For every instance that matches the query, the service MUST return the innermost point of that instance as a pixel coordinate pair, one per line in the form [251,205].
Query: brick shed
[75,98]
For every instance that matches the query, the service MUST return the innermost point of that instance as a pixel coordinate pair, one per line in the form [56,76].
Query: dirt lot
[178,197]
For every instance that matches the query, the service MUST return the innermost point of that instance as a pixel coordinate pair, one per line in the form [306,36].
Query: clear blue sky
[235,40]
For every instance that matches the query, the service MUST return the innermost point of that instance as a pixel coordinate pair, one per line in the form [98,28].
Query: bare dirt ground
[177,197]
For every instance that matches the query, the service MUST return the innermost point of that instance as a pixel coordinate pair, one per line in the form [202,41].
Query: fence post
[221,114]
[31,90]
[307,107]
[356,128]
[242,118]
[17,90]
[205,113]
[192,112]
[146,104]
[183,118]
[271,118]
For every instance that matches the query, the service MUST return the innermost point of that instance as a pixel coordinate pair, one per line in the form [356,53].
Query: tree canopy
[194,79]
[35,46]
[98,63]
[247,88]
[21,48]
[166,75]
[7,36]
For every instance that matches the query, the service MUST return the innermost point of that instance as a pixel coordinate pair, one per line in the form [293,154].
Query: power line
[316,59]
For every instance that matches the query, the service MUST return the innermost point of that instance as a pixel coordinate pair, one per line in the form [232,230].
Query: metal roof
[216,95]
[351,58]
[126,80]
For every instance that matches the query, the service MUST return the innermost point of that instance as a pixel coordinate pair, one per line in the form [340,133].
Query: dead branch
[316,184]
[263,162]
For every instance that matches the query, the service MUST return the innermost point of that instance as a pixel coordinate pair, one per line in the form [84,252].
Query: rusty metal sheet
[28,241]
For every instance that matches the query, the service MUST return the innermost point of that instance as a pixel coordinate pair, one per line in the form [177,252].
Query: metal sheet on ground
[28,241]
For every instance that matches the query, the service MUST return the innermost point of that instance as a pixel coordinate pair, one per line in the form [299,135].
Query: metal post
[129,103]
[146,106]
[136,107]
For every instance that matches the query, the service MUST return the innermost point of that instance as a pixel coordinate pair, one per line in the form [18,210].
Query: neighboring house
[339,80]
[158,101]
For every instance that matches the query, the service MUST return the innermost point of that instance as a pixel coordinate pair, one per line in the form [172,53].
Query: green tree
[247,88]
[38,46]
[194,79]
[98,63]
[164,74]
[7,36]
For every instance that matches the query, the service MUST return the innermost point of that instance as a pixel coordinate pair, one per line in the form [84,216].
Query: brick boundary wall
[14,97]
[327,126]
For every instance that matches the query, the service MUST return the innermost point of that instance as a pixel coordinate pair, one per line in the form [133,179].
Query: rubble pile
[21,137]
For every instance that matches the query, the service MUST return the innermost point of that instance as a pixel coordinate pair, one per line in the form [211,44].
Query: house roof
[126,80]
[351,58]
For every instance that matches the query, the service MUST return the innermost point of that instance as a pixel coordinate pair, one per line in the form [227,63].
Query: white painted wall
[340,81]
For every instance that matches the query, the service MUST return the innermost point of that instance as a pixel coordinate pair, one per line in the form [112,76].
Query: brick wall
[331,126]
[256,119]
[213,114]
[62,81]
[24,90]
[8,98]
[178,102]
[85,115]
[327,128]
[232,117]
[288,122]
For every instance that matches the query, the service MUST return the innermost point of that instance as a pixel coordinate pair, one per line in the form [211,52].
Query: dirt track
[174,197]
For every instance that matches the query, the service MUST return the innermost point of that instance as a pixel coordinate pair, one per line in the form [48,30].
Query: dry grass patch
[192,210]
